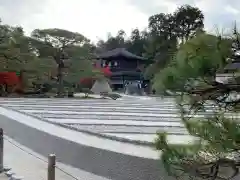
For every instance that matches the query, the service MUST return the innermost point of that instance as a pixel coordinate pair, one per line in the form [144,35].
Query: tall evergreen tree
[214,153]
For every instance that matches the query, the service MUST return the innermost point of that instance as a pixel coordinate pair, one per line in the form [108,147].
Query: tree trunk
[60,81]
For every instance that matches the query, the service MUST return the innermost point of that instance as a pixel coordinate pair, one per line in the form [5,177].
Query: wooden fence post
[1,150]
[51,166]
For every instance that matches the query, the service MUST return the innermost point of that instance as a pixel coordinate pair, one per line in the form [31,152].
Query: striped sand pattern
[129,118]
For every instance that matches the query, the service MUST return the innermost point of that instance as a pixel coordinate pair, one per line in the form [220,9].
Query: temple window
[103,63]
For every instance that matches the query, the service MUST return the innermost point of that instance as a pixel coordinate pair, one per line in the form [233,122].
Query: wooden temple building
[124,66]
[230,72]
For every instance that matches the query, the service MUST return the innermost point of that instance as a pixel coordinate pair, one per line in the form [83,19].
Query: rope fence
[51,162]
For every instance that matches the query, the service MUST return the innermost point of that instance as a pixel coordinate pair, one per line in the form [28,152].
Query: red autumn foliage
[9,78]
[106,71]
[88,81]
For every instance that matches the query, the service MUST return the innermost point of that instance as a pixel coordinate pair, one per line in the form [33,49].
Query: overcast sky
[95,18]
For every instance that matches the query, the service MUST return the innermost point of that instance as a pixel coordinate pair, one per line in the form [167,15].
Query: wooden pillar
[51,166]
[1,150]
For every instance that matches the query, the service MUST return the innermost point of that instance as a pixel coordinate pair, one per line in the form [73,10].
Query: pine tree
[215,150]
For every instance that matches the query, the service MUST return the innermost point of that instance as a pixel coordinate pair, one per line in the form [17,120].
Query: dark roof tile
[119,52]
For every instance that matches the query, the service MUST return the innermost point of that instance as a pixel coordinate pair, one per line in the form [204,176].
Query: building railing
[116,69]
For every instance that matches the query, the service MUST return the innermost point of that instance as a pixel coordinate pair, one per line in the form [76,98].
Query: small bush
[111,95]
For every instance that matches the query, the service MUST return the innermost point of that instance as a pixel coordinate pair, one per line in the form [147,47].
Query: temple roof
[119,52]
